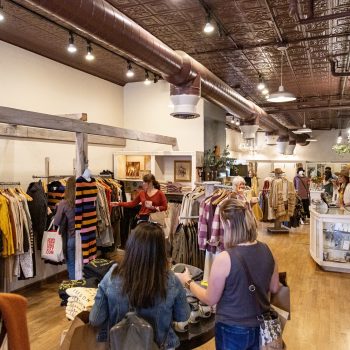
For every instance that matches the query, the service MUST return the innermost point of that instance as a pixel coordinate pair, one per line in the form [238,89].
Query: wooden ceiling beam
[46,121]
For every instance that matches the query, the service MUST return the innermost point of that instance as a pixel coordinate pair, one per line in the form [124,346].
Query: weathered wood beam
[47,121]
[78,116]
[25,132]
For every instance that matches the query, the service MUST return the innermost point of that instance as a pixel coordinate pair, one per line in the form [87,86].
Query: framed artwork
[182,170]
[133,170]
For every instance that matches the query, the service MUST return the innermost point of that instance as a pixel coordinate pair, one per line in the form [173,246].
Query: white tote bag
[52,245]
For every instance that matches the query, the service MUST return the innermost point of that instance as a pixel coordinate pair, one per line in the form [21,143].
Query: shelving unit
[161,164]
[330,239]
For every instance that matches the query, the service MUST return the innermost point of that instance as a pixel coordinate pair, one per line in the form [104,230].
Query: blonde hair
[240,225]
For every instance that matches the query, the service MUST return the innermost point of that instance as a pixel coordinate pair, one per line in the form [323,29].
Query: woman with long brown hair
[152,199]
[143,282]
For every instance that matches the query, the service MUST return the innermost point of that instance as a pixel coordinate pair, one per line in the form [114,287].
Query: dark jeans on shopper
[306,204]
[71,257]
[236,337]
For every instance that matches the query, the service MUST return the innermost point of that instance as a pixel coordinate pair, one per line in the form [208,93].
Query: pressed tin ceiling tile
[179,24]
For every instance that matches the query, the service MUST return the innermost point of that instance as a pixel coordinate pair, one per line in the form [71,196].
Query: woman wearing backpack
[142,281]
[237,327]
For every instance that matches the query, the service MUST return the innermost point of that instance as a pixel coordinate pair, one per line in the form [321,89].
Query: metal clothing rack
[51,176]
[223,186]
[188,217]
[10,183]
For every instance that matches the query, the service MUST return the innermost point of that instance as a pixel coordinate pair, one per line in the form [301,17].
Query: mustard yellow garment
[5,227]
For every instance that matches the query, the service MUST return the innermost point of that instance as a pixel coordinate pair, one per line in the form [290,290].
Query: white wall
[320,151]
[148,108]
[35,83]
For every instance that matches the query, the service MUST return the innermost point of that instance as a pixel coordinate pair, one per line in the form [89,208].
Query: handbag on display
[52,245]
[270,322]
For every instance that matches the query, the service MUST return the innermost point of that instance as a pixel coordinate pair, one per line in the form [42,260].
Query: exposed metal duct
[100,21]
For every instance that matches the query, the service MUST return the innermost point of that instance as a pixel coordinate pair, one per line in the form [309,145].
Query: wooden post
[82,153]
[47,168]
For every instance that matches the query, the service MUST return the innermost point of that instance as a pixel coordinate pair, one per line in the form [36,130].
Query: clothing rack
[51,176]
[188,217]
[10,183]
[223,186]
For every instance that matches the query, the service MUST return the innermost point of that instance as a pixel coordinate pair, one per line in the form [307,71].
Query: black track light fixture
[71,46]
[130,72]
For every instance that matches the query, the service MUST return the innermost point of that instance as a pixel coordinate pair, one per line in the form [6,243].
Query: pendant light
[281,95]
[303,130]
[261,85]
[339,138]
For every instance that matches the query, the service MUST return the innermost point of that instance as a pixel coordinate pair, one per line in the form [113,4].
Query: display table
[197,334]
[330,238]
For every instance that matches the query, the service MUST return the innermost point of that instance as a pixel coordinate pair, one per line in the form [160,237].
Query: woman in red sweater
[152,199]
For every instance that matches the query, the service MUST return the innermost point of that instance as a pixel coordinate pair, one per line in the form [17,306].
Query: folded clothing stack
[88,283]
[80,299]
[97,268]
[174,187]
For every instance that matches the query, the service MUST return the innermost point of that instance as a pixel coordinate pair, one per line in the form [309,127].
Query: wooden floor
[320,301]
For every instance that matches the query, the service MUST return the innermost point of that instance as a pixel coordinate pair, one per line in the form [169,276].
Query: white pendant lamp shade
[281,95]
[303,130]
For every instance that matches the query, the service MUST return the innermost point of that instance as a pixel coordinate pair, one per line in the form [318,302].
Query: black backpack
[133,332]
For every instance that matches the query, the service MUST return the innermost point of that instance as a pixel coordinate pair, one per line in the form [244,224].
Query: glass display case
[330,238]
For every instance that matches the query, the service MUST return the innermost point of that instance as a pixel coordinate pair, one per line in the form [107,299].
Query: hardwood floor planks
[320,301]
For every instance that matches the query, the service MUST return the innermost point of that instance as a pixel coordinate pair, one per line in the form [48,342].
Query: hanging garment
[37,210]
[85,216]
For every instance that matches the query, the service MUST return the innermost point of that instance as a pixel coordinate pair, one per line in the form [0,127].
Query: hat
[278,171]
[343,172]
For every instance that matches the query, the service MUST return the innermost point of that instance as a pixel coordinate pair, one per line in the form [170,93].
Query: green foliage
[341,148]
[212,161]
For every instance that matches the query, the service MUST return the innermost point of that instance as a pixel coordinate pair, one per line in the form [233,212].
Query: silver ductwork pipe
[101,22]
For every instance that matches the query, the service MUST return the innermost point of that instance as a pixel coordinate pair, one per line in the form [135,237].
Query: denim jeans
[236,337]
[71,257]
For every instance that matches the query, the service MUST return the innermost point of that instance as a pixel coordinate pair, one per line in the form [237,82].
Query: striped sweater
[85,216]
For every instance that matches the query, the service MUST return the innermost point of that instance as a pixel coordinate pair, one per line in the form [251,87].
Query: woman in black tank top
[237,327]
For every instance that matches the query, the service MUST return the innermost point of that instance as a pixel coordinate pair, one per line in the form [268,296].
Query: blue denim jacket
[111,306]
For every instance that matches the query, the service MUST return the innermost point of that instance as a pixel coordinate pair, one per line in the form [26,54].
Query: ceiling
[244,46]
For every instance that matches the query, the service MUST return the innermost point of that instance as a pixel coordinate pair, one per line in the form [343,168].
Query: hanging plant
[341,148]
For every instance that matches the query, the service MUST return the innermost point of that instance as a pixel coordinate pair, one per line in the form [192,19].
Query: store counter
[197,334]
[330,238]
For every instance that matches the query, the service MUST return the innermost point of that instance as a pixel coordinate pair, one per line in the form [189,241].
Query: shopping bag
[81,335]
[52,245]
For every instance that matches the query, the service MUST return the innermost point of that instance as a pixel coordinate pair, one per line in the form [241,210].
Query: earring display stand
[277,228]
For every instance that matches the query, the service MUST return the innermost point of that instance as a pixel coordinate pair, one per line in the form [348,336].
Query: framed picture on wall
[132,170]
[182,170]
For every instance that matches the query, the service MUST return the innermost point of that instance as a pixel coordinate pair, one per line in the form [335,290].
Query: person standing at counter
[327,183]
[152,199]
[237,326]
[302,187]
[342,192]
